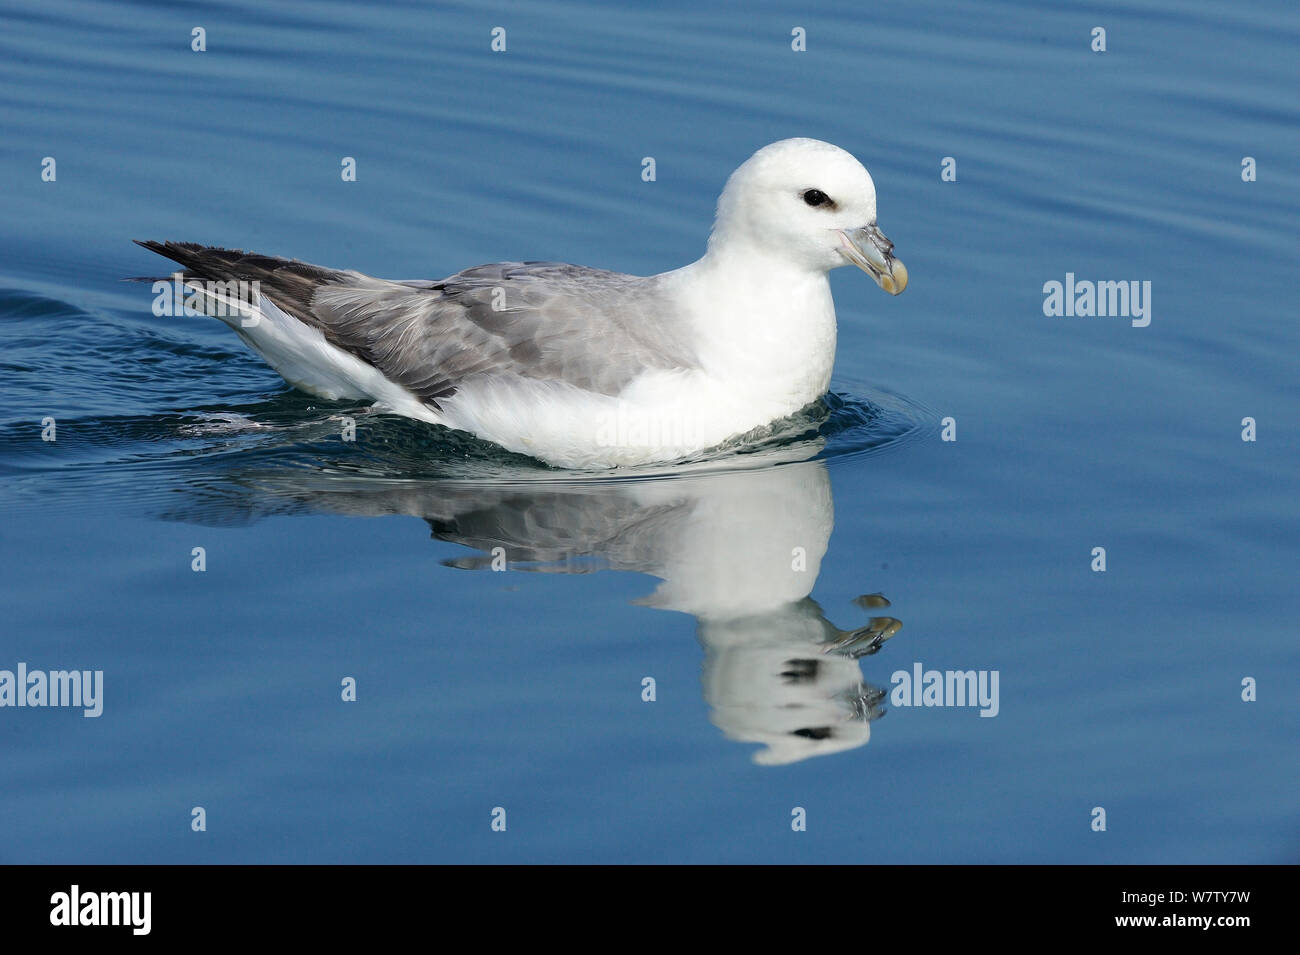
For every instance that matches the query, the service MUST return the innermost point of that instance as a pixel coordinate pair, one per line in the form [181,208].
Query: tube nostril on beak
[871,251]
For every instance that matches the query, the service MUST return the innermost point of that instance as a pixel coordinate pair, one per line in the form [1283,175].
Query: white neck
[761,322]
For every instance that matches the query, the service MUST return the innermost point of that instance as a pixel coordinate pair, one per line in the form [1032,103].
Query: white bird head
[809,202]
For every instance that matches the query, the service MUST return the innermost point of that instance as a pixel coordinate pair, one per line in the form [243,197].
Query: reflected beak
[869,250]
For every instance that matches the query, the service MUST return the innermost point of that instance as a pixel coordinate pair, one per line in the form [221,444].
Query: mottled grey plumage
[590,328]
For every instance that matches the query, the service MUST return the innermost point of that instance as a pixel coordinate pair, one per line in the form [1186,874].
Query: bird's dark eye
[815,197]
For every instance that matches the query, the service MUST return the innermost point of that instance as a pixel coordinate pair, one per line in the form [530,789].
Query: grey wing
[593,329]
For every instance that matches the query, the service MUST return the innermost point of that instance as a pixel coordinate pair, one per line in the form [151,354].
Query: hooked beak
[869,250]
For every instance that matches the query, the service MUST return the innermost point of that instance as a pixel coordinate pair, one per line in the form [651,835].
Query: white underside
[661,416]
[307,361]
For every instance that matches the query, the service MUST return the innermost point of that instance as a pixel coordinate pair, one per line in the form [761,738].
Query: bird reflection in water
[739,550]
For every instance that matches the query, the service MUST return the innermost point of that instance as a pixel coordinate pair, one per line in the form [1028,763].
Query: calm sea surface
[733,585]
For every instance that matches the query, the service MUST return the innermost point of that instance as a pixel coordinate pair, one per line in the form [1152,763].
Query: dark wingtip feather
[289,283]
[153,246]
[185,253]
[167,246]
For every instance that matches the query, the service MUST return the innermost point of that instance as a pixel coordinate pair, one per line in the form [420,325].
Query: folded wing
[593,329]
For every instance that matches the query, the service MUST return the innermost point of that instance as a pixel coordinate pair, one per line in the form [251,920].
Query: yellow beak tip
[896,280]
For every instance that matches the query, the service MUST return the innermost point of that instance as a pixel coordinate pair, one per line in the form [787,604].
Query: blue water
[732,583]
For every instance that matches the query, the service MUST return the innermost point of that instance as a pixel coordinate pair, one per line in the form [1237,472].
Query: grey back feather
[593,329]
